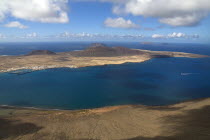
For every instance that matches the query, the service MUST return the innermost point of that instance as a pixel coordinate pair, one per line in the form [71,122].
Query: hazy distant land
[95,55]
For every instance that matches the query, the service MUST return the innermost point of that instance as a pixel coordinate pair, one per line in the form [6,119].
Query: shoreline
[187,120]
[32,69]
[96,108]
[38,68]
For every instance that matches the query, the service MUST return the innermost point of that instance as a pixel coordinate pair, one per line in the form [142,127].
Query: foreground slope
[187,121]
[97,54]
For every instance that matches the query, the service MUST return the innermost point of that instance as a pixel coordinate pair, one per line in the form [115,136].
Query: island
[183,121]
[95,55]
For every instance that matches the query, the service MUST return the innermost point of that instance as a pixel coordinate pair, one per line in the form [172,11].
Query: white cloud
[96,36]
[158,36]
[15,24]
[65,34]
[119,23]
[188,20]
[175,35]
[78,35]
[83,35]
[172,12]
[31,35]
[48,11]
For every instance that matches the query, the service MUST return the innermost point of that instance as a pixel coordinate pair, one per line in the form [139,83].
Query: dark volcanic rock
[127,51]
[146,43]
[41,52]
[101,50]
[161,56]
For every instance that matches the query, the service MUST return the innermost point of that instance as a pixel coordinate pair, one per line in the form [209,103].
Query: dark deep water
[154,82]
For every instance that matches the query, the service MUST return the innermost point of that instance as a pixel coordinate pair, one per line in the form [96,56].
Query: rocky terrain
[100,50]
[41,52]
[183,121]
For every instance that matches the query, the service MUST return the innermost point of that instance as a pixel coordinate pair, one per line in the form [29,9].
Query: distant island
[95,55]
[146,43]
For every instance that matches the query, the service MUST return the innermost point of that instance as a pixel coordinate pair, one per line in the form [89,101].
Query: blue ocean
[159,81]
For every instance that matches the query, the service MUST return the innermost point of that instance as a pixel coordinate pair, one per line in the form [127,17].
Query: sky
[184,21]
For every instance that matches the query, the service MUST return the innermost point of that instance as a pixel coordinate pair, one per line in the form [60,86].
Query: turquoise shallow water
[154,82]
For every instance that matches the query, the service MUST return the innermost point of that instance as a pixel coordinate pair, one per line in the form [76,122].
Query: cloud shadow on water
[138,85]
[199,92]
[147,99]
[129,74]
